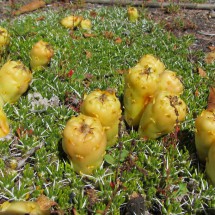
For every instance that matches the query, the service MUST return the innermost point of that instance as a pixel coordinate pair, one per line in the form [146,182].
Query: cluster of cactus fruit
[15,77]
[152,98]
[86,137]
[72,22]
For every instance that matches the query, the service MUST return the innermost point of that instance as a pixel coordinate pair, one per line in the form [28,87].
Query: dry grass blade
[34,5]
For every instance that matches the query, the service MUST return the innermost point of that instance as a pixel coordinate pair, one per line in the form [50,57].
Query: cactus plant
[4,39]
[40,55]
[86,24]
[161,115]
[84,142]
[168,81]
[210,167]
[106,107]
[152,64]
[4,126]
[15,78]
[21,208]
[132,14]
[71,21]
[205,132]
[140,86]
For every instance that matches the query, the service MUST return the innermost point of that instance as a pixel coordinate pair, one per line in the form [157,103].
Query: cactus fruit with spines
[4,39]
[106,107]
[71,21]
[22,207]
[161,115]
[4,125]
[86,24]
[204,133]
[141,83]
[84,142]
[168,81]
[15,78]
[210,161]
[40,55]
[152,64]
[132,14]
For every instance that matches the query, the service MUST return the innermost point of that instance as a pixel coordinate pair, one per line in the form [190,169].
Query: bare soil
[200,23]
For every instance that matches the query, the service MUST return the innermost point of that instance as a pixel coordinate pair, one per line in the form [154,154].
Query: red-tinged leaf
[18,132]
[108,34]
[212,48]
[118,40]
[202,73]
[41,18]
[210,57]
[88,54]
[112,185]
[73,36]
[93,13]
[121,71]
[87,35]
[211,99]
[196,93]
[70,73]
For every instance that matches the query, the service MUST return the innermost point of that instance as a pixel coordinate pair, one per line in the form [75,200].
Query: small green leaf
[109,159]
[124,154]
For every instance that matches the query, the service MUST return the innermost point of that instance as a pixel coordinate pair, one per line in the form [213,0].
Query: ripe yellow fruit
[71,21]
[210,161]
[4,126]
[40,55]
[161,115]
[4,39]
[205,133]
[140,86]
[168,81]
[84,142]
[15,78]
[106,107]
[132,14]
[86,24]
[152,64]
[21,208]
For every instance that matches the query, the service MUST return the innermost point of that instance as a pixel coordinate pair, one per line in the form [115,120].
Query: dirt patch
[200,23]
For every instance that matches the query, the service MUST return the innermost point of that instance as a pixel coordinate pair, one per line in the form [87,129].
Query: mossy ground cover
[166,171]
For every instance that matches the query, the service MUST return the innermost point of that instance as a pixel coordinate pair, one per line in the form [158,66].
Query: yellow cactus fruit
[140,86]
[84,142]
[152,64]
[86,24]
[4,39]
[40,55]
[71,21]
[15,78]
[4,126]
[168,81]
[1,102]
[210,161]
[22,208]
[132,14]
[161,115]
[205,133]
[106,107]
